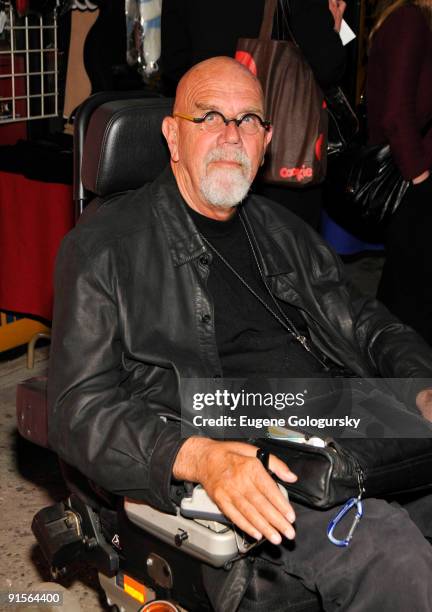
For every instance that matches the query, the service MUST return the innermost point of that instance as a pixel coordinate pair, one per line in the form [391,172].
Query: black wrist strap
[263,456]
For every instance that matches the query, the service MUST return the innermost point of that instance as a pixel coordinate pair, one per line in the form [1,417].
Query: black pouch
[330,475]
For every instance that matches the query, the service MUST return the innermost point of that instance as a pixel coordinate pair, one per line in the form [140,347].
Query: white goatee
[226,187]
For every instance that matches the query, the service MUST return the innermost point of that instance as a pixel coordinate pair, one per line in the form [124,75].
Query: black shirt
[249,338]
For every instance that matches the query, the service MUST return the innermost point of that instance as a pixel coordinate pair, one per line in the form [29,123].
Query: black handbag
[363,190]
[330,475]
[374,187]
[343,124]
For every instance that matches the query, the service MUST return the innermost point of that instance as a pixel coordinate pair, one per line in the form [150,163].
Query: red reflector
[134,589]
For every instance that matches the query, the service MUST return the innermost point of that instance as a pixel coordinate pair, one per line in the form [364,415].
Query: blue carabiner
[354,501]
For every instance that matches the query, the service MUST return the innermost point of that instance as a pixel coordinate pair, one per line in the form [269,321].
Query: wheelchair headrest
[124,146]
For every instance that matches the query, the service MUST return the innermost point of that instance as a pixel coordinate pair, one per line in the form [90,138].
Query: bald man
[191,277]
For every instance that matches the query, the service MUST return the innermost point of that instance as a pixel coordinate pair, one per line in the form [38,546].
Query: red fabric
[34,217]
[10,133]
[7,92]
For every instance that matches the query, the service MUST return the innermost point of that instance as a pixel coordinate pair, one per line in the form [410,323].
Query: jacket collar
[184,240]
[273,259]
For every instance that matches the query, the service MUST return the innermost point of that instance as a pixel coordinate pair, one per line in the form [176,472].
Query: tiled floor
[30,479]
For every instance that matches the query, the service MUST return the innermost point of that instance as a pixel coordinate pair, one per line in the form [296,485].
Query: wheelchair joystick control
[181,537]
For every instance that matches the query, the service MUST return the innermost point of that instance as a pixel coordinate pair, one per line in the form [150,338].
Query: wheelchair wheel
[159,606]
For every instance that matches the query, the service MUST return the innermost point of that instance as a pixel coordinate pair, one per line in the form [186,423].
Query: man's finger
[280,468]
[249,512]
[274,496]
[231,512]
[273,518]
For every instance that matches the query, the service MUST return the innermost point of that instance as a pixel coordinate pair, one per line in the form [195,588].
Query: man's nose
[230,133]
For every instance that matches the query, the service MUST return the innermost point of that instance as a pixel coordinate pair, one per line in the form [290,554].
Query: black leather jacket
[133,315]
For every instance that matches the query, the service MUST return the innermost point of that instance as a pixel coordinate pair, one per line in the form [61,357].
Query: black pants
[406,282]
[387,567]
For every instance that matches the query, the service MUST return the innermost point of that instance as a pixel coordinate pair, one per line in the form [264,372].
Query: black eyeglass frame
[264,124]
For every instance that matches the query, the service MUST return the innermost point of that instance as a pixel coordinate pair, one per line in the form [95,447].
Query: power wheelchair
[146,560]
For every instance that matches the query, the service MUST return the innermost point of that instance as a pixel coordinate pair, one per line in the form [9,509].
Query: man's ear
[268,137]
[170,131]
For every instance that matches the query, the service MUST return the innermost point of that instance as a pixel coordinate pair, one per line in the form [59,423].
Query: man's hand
[424,403]
[337,9]
[240,486]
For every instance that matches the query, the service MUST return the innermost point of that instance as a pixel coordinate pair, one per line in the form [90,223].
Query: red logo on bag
[247,60]
[299,173]
[319,145]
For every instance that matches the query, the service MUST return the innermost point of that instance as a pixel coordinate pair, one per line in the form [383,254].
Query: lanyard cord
[255,249]
[283,319]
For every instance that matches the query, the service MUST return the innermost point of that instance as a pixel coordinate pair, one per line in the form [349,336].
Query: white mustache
[237,156]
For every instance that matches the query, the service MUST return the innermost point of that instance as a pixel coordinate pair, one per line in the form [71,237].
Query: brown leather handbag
[295,105]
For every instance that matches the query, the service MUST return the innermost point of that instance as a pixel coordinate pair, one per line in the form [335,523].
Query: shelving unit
[28,67]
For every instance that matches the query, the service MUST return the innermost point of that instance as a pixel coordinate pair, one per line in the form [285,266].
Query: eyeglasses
[214,121]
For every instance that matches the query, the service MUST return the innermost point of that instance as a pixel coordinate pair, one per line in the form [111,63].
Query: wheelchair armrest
[200,506]
[198,528]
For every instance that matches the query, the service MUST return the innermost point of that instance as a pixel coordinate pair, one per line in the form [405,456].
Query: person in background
[193,31]
[399,107]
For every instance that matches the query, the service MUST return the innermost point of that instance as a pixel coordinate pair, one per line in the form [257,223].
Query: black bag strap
[268,19]
[284,14]
[267,22]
